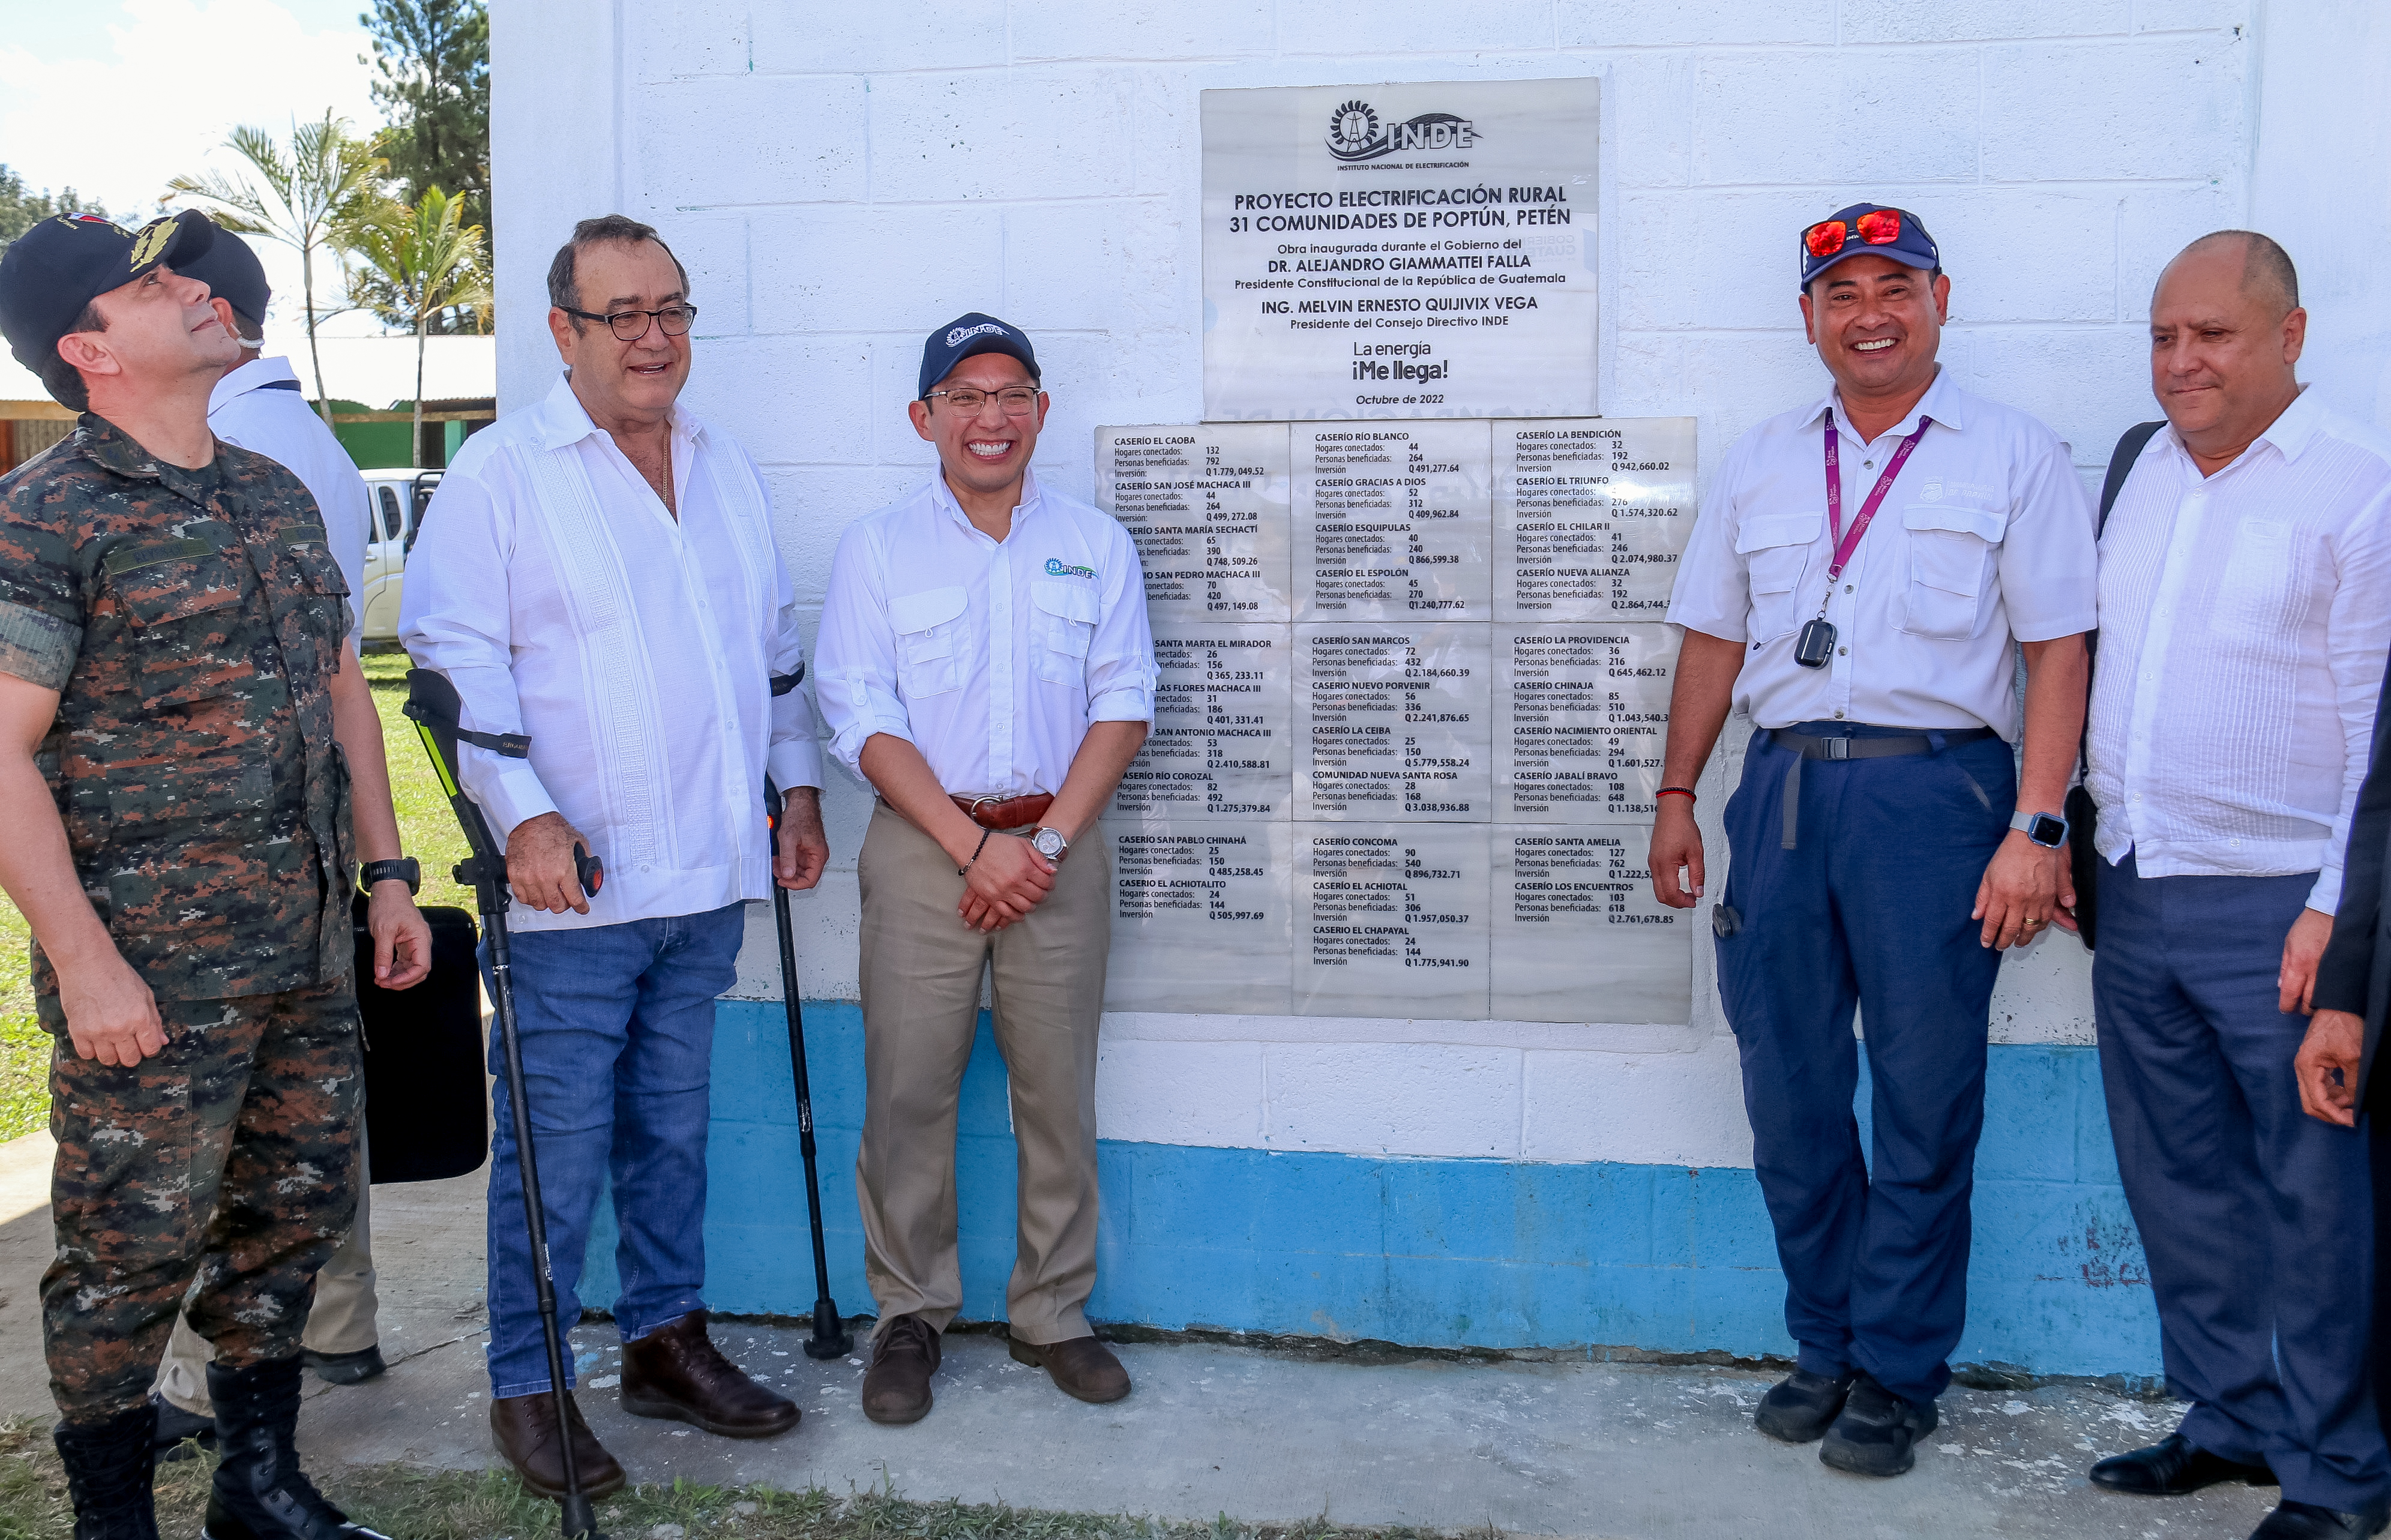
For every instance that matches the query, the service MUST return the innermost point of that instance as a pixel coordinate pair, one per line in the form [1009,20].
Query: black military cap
[48,274]
[233,274]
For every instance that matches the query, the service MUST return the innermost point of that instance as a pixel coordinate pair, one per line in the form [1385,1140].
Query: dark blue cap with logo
[52,270]
[1868,229]
[966,335]
[233,274]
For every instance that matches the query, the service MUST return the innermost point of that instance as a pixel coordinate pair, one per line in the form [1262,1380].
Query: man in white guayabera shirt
[2245,602]
[598,571]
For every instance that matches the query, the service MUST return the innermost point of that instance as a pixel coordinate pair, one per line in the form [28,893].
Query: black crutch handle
[590,869]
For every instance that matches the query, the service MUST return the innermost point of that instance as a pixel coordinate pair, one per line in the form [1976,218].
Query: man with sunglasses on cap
[1864,573]
[256,405]
[986,665]
[600,577]
[186,738]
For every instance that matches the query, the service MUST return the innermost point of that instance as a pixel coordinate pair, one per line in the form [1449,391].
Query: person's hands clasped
[1676,841]
[2027,887]
[402,938]
[2326,1067]
[1007,881]
[540,865]
[800,848]
[112,1016]
[2303,950]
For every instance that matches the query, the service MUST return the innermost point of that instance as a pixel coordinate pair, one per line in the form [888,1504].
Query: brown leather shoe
[523,1430]
[1082,1367]
[904,1355]
[676,1371]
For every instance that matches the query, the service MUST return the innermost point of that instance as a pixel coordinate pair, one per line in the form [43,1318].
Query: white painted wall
[841,179]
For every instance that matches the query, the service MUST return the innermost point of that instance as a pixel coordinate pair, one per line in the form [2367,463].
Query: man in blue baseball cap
[985,663]
[1865,573]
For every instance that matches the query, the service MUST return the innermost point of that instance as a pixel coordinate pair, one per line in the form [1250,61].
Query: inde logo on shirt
[1055,568]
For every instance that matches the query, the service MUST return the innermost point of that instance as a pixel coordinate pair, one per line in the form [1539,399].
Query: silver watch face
[1047,843]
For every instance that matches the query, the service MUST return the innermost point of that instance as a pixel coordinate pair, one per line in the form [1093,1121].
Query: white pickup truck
[399,497]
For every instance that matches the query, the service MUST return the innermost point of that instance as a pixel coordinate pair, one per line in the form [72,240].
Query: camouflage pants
[220,1169]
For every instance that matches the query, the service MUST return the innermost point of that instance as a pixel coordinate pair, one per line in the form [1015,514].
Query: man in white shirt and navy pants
[601,574]
[2245,605]
[1864,573]
[985,663]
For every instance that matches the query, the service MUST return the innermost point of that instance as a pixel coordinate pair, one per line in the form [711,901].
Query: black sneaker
[1798,1408]
[177,1428]
[344,1368]
[1878,1432]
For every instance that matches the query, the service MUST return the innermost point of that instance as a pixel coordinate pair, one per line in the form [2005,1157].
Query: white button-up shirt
[258,407]
[990,659]
[2244,620]
[564,600]
[1987,534]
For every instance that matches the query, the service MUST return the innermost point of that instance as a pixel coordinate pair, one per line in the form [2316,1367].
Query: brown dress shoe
[904,1355]
[1082,1367]
[676,1371]
[523,1428]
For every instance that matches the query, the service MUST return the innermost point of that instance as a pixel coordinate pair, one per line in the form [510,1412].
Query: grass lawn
[426,827]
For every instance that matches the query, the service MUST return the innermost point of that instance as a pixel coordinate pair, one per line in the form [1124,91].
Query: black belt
[1809,747]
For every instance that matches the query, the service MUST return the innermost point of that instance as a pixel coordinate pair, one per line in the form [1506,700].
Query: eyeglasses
[629,325]
[1016,400]
[1881,228]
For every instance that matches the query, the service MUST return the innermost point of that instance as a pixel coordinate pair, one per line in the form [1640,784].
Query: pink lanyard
[1846,544]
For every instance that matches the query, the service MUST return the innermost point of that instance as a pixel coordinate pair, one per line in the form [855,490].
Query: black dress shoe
[2172,1467]
[344,1368]
[1878,1432]
[2307,1521]
[1799,1407]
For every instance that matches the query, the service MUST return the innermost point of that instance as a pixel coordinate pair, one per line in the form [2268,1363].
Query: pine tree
[431,80]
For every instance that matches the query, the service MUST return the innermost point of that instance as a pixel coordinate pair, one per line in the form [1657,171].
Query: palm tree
[325,178]
[413,263]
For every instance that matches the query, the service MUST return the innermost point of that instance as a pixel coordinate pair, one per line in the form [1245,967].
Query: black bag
[2082,817]
[427,1093]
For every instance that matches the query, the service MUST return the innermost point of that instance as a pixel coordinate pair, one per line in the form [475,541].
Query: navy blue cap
[48,274]
[1868,229]
[233,274]
[964,336]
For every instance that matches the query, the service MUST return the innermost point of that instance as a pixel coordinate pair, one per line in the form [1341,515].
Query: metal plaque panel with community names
[1422,786]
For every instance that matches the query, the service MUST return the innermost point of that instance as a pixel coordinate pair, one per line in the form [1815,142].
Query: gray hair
[565,289]
[2266,266]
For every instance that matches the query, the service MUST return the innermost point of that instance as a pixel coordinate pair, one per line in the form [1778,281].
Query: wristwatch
[1049,843]
[2048,830]
[405,869]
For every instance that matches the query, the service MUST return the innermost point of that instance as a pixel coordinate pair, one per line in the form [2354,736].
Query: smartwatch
[2048,830]
[1050,844]
[405,869]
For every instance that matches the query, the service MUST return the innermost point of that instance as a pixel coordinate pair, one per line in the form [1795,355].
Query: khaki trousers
[341,1319]
[921,979]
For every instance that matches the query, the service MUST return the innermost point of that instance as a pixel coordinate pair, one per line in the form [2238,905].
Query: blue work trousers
[2255,1217]
[617,1031]
[1868,911]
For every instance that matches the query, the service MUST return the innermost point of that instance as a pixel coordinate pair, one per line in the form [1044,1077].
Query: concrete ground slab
[1576,1448]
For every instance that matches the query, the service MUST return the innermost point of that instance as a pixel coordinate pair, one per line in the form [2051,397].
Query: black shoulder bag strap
[2083,817]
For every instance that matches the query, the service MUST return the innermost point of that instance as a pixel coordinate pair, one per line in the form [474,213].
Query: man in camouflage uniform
[183,728]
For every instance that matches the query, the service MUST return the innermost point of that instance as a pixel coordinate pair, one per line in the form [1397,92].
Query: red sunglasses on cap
[1882,228]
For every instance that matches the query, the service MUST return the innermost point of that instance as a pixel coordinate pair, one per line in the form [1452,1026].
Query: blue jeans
[617,1032]
[2251,1211]
[1868,911]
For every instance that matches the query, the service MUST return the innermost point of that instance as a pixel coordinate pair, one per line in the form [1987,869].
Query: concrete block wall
[840,180]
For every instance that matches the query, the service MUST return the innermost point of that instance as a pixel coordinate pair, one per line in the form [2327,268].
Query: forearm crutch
[433,706]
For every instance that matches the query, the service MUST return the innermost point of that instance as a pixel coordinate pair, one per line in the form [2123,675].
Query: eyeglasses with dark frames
[1016,400]
[629,325]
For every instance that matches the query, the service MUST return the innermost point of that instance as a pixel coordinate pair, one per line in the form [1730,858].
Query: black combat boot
[261,1494]
[108,1467]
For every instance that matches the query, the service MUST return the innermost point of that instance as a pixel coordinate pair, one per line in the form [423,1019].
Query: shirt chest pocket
[188,637]
[1776,551]
[1951,550]
[319,576]
[1065,615]
[2254,592]
[928,625]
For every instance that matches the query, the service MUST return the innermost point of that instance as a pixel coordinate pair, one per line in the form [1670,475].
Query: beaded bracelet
[1685,792]
[964,870]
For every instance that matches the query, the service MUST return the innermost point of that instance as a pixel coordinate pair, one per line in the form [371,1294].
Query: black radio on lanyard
[1815,647]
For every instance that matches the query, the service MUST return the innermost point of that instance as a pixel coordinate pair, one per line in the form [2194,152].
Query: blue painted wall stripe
[1438,1253]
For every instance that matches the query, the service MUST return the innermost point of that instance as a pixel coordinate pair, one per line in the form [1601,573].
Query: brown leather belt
[1007,812]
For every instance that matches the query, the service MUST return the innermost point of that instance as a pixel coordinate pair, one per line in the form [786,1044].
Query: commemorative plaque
[1415,250]
[1578,934]
[1207,507]
[1392,522]
[1580,716]
[1221,746]
[1591,517]
[1393,921]
[1202,916]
